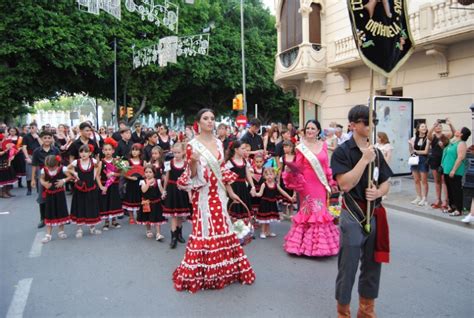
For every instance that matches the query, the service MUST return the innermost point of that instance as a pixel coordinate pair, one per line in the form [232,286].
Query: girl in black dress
[110,203]
[177,202]
[85,198]
[164,140]
[151,211]
[53,177]
[257,177]
[236,163]
[268,211]
[18,163]
[7,174]
[133,195]
[288,156]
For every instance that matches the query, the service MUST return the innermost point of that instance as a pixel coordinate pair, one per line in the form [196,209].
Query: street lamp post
[117,111]
[243,54]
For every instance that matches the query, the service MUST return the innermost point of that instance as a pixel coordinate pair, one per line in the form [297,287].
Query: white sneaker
[468,219]
[423,202]
[416,201]
[263,236]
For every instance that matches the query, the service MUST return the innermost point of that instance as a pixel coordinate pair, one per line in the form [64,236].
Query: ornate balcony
[306,62]
[432,26]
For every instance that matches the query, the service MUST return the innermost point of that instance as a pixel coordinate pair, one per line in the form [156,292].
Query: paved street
[122,274]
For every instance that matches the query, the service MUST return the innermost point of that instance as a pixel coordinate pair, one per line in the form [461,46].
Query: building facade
[317,59]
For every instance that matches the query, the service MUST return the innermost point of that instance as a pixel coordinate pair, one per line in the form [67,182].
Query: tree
[50,48]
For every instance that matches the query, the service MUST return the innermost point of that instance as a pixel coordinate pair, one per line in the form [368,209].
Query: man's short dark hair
[85,125]
[122,122]
[46,133]
[158,125]
[466,133]
[150,134]
[34,124]
[359,112]
[255,122]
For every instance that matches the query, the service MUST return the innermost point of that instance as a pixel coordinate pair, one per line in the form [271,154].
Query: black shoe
[41,224]
[174,239]
[120,217]
[179,236]
[28,192]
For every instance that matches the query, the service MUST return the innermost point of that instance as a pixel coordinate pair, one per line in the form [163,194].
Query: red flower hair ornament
[91,147]
[58,159]
[111,141]
[196,127]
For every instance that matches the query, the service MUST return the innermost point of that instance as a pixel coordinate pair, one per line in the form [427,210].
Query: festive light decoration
[110,6]
[169,48]
[166,14]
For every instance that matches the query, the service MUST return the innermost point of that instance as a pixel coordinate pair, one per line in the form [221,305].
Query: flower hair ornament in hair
[196,127]
[230,144]
[58,159]
[137,146]
[91,147]
[111,141]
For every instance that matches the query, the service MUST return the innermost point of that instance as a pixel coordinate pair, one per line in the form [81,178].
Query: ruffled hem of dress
[114,213]
[85,221]
[312,239]
[213,263]
[57,222]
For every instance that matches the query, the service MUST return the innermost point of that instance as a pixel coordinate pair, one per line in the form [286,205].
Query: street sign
[241,120]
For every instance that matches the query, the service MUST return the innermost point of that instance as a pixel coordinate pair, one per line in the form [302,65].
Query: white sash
[315,164]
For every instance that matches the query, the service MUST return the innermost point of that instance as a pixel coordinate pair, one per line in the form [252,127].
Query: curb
[429,216]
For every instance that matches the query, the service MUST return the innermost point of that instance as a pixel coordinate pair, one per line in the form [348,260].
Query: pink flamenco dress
[313,232]
[214,257]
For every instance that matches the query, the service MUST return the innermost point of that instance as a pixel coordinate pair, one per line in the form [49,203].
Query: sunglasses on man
[366,121]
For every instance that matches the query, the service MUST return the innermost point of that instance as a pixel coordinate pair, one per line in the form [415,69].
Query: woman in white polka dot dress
[214,257]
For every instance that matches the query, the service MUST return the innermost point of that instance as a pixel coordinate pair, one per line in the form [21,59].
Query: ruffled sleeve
[185,181]
[327,168]
[294,179]
[228,177]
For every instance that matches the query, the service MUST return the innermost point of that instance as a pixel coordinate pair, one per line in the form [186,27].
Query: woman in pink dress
[214,257]
[313,232]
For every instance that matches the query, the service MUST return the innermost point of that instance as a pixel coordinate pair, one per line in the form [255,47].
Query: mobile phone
[442,121]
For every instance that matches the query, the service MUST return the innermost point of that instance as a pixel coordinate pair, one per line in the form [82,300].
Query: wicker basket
[246,225]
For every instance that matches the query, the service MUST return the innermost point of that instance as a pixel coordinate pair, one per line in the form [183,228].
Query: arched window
[315,24]
[290,25]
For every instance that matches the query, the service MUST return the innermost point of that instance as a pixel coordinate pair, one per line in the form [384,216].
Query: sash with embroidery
[315,164]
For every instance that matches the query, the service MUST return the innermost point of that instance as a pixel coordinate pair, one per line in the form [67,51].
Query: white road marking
[37,245]
[18,304]
[4,213]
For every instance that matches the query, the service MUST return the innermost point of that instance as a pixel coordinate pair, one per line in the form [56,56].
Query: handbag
[243,229]
[146,206]
[414,160]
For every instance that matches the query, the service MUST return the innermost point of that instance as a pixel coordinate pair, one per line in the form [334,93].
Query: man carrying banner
[350,165]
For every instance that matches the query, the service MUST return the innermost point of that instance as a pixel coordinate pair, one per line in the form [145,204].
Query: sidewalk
[403,192]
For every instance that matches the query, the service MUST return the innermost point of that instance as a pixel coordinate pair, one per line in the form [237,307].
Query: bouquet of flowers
[118,165]
[243,231]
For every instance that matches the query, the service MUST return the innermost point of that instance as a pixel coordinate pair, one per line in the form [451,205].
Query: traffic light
[237,102]
[129,112]
[122,111]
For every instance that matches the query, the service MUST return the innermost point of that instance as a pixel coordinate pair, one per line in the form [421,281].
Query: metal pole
[117,111]
[243,54]
[256,110]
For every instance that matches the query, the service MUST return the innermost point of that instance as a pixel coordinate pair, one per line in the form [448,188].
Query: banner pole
[371,132]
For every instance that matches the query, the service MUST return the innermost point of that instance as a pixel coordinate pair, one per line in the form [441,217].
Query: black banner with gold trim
[382,33]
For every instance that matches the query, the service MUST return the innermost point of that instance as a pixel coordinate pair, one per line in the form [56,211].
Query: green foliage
[52,48]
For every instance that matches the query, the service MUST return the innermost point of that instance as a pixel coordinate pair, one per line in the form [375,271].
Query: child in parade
[151,211]
[85,198]
[176,201]
[288,156]
[7,174]
[133,196]
[53,178]
[110,204]
[37,162]
[257,178]
[236,163]
[268,210]
[18,161]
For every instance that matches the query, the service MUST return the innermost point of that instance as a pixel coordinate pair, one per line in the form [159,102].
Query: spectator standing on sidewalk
[438,141]
[419,146]
[252,137]
[383,144]
[454,168]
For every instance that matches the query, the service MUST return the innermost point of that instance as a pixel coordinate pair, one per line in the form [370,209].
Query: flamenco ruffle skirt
[212,263]
[312,235]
